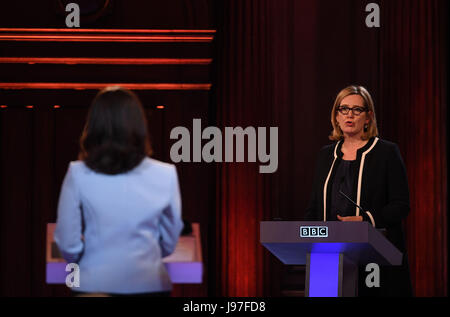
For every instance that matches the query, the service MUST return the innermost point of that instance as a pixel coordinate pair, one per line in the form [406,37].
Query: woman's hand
[350,218]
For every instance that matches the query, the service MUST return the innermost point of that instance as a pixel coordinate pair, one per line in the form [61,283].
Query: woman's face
[351,123]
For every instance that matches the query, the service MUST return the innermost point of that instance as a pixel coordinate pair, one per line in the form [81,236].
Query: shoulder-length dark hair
[115,137]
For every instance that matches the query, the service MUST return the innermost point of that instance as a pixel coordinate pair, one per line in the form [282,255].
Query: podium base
[330,275]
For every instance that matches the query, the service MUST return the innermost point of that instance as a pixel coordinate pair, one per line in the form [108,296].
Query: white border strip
[371,218]
[326,184]
[361,167]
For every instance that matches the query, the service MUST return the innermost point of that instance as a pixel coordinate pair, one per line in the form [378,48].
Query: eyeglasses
[355,110]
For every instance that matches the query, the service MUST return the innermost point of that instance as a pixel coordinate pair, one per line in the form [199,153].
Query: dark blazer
[380,188]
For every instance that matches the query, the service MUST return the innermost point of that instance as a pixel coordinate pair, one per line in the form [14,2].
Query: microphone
[350,200]
[383,231]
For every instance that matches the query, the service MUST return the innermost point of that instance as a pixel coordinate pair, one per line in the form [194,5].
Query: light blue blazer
[132,220]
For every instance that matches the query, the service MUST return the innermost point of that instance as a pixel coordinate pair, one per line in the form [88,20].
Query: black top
[384,194]
[343,181]
[384,185]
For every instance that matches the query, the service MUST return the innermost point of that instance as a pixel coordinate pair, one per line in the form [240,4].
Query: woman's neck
[354,141]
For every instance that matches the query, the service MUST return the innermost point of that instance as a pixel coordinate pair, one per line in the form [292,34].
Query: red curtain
[241,202]
[281,63]
[413,89]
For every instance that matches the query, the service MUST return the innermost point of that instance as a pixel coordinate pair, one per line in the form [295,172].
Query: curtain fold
[241,82]
[413,81]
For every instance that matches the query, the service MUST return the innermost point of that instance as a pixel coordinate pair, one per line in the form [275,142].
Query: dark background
[273,63]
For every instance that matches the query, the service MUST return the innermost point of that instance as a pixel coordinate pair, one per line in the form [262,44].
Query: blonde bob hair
[371,130]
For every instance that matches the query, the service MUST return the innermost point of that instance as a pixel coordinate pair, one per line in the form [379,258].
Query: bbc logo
[314,232]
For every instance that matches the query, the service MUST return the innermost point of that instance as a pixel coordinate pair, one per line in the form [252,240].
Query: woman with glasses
[363,178]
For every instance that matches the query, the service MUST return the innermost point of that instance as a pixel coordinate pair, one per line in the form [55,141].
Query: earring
[366,127]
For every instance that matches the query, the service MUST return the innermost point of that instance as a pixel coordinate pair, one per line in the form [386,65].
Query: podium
[184,265]
[331,251]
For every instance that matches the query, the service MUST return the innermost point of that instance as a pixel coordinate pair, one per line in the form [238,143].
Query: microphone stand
[381,230]
[349,199]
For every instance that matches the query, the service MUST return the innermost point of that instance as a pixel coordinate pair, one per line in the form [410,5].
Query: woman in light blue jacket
[119,211]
